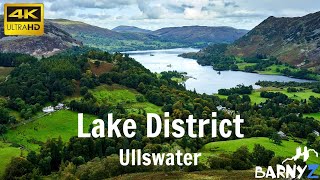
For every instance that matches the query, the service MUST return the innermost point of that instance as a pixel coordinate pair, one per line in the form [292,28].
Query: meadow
[6,153]
[63,123]
[256,99]
[115,94]
[286,149]
[316,116]
[274,70]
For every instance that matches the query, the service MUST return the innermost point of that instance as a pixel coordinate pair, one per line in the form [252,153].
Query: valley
[203,79]
[110,86]
[180,70]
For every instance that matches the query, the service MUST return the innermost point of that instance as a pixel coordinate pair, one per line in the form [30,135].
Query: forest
[35,83]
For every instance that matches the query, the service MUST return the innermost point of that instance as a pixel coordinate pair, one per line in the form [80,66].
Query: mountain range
[293,40]
[61,34]
[130,38]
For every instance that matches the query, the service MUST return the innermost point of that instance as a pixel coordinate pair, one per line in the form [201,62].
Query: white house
[48,109]
[59,106]
[282,135]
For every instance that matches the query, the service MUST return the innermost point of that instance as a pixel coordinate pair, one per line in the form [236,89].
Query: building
[48,109]
[59,106]
[282,135]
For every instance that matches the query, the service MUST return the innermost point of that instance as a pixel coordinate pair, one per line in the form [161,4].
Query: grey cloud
[186,6]
[209,7]
[230,4]
[177,8]
[94,16]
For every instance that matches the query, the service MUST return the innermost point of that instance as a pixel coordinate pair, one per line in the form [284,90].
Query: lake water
[205,79]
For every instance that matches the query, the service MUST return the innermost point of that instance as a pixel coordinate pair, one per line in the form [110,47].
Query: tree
[261,156]
[241,159]
[311,138]
[276,139]
[19,167]
[83,90]
[97,63]
[32,157]
[3,130]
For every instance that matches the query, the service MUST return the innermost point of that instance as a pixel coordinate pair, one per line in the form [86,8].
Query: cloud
[99,4]
[153,14]
[230,4]
[94,16]
[149,10]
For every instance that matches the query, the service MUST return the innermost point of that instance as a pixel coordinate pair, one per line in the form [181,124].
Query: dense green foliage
[240,89]
[50,80]
[14,59]
[214,55]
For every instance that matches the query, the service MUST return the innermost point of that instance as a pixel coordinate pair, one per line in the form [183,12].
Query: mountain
[53,41]
[109,40]
[61,34]
[292,40]
[129,38]
[132,29]
[200,34]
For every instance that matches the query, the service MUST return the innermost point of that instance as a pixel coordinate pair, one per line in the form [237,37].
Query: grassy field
[114,94]
[287,149]
[6,153]
[313,115]
[305,94]
[4,72]
[300,95]
[148,107]
[203,175]
[242,65]
[118,94]
[255,96]
[272,70]
[63,123]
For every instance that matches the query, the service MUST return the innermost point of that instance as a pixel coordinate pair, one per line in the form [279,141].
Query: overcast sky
[154,14]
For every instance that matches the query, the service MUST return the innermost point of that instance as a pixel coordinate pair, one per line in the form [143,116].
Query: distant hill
[292,40]
[61,34]
[132,29]
[54,40]
[109,40]
[200,34]
[124,38]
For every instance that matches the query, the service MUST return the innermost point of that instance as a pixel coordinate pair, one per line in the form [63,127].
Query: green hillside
[6,153]
[63,123]
[287,149]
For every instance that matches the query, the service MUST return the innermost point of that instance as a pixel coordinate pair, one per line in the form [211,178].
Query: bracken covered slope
[292,40]
[54,40]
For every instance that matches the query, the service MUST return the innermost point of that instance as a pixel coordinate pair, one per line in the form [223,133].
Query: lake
[205,79]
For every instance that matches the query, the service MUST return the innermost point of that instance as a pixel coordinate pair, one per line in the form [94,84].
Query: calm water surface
[205,79]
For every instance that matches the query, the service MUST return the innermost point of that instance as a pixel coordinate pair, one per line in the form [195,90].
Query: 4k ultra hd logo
[24,19]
